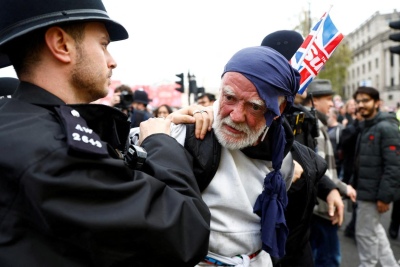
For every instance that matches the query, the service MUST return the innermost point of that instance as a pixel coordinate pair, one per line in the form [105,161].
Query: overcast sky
[168,37]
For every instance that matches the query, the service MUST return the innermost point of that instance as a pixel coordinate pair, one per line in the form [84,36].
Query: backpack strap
[206,155]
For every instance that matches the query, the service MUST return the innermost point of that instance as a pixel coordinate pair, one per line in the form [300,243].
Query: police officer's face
[240,120]
[93,68]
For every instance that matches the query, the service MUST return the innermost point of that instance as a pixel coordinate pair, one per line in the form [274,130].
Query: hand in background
[382,206]
[335,207]
[351,193]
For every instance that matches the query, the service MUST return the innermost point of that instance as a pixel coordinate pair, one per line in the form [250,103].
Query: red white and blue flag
[316,50]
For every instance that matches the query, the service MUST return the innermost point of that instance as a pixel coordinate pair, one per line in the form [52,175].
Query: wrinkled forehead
[236,83]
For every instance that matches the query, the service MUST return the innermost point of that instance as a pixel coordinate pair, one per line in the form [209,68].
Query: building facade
[372,63]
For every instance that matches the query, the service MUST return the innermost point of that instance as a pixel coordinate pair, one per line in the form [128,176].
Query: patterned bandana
[273,76]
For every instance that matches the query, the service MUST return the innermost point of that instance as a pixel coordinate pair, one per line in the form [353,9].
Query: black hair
[372,92]
[210,96]
[169,109]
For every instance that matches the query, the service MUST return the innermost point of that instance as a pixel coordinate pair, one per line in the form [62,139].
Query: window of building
[369,66]
[376,63]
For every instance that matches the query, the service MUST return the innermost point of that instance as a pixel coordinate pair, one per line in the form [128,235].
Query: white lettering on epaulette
[85,139]
[83,129]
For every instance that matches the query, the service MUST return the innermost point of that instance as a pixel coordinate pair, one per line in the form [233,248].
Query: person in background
[69,197]
[347,147]
[122,99]
[206,99]
[395,220]
[139,111]
[162,111]
[335,133]
[377,177]
[324,229]
[350,112]
[302,194]
[395,217]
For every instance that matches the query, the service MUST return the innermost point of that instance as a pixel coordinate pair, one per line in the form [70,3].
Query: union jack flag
[316,50]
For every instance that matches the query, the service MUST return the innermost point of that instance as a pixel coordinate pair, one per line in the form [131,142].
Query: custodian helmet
[19,17]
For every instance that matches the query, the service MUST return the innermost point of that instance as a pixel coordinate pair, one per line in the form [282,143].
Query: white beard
[232,141]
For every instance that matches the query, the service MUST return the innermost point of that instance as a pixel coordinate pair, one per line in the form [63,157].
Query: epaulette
[80,138]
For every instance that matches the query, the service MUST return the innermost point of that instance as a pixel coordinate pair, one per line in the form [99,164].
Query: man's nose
[238,113]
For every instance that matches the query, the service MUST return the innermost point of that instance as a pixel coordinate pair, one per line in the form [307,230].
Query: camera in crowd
[126,97]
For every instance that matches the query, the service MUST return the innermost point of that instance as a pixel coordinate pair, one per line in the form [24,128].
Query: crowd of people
[253,178]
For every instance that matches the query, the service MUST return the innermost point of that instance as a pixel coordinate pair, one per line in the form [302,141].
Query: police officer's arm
[116,213]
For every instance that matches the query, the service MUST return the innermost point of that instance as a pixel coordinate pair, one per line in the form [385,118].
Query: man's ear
[282,106]
[59,44]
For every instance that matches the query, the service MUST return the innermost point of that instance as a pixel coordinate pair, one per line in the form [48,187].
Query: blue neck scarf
[272,76]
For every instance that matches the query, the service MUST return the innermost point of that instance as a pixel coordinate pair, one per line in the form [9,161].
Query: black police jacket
[66,201]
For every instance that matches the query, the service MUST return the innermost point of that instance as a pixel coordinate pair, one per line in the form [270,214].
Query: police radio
[135,157]
[314,121]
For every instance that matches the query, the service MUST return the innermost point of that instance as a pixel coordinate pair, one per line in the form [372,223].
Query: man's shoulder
[206,155]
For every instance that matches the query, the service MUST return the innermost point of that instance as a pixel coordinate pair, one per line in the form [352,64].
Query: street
[348,245]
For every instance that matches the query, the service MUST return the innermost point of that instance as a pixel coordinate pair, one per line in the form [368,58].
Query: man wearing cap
[324,238]
[247,162]
[67,198]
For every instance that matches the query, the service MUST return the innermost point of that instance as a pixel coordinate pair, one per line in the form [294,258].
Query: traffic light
[395,37]
[181,83]
[192,84]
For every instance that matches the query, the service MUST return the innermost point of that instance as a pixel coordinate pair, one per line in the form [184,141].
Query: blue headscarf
[273,76]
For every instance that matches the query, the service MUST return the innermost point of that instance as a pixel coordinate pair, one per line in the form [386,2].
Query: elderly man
[242,165]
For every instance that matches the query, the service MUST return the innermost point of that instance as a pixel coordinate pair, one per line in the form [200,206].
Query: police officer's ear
[59,44]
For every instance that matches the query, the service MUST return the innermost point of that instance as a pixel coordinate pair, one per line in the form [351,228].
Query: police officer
[66,196]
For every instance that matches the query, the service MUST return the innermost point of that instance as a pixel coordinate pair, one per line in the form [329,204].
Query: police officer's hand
[335,207]
[382,206]
[153,126]
[202,116]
